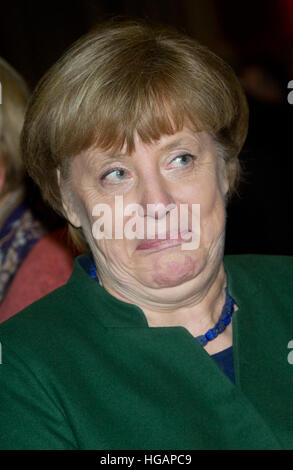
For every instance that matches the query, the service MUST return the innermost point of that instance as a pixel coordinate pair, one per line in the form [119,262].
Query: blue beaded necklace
[223,322]
[221,325]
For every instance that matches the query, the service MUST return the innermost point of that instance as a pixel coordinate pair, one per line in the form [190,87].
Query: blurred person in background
[27,251]
[19,230]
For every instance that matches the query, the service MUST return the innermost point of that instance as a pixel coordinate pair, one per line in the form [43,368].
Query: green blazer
[83,370]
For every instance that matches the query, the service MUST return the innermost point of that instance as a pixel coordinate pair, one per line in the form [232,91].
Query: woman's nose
[156,198]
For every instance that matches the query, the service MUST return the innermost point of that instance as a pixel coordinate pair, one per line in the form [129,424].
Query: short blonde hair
[14,97]
[127,77]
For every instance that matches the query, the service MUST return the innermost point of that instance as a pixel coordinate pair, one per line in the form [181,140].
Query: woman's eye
[182,160]
[117,174]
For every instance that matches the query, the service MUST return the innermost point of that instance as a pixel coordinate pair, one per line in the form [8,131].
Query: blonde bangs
[153,87]
[149,105]
[149,114]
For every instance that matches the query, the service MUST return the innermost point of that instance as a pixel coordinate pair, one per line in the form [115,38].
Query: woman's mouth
[158,244]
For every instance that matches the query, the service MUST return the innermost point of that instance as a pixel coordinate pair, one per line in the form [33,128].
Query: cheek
[213,216]
[116,252]
[209,196]
[212,201]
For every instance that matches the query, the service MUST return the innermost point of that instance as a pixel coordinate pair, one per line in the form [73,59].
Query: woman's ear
[69,208]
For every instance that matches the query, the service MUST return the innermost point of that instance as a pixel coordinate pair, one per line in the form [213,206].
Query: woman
[133,128]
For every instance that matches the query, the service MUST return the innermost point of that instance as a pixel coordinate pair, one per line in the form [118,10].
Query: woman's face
[179,169]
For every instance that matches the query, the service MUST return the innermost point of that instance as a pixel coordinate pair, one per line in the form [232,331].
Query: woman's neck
[200,313]
[198,316]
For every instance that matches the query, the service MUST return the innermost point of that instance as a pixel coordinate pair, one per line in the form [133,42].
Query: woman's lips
[157,244]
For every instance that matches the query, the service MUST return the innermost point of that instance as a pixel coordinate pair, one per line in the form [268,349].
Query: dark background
[255,37]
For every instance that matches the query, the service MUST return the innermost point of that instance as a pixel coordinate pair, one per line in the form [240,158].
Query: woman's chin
[170,269]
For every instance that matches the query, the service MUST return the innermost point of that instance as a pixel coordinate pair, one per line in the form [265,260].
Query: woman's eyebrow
[171,145]
[96,158]
[180,143]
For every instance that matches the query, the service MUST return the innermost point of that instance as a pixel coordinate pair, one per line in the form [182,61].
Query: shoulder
[258,265]
[39,318]
[47,267]
[56,319]
[267,277]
